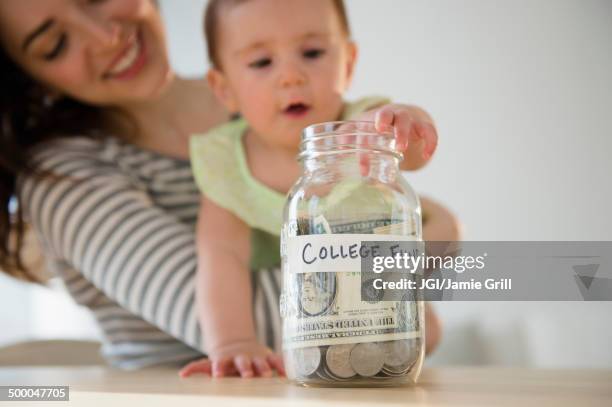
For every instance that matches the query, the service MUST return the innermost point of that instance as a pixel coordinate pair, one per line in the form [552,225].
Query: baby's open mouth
[297,109]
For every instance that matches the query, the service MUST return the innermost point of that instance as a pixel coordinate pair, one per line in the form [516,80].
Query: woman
[94,142]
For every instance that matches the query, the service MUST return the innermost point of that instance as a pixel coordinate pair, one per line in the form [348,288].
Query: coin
[367,359]
[338,360]
[397,370]
[399,354]
[324,374]
[307,360]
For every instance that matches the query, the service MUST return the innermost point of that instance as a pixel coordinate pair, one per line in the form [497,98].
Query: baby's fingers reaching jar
[412,127]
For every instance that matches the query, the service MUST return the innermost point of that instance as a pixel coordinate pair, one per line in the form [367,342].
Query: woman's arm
[98,219]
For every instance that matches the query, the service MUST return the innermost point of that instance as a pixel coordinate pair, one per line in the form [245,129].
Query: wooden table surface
[477,386]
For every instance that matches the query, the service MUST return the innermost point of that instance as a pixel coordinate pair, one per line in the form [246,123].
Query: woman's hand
[245,359]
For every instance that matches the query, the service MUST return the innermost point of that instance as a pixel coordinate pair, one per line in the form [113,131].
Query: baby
[282,65]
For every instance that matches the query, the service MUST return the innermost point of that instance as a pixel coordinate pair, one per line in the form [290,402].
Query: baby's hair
[211,20]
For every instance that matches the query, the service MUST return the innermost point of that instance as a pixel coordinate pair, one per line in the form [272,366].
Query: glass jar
[351,193]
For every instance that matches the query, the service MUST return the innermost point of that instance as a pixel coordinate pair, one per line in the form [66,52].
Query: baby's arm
[224,298]
[439,224]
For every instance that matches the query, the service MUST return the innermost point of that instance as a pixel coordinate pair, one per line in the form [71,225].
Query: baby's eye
[58,49]
[313,53]
[260,63]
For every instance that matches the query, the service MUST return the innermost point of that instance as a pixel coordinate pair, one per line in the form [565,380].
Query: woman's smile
[130,61]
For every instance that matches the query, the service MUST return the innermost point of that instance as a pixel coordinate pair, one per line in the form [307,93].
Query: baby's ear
[222,90]
[352,52]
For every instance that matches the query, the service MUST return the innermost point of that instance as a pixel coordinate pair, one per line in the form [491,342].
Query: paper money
[321,226]
[397,228]
[337,337]
[317,293]
[326,308]
[361,226]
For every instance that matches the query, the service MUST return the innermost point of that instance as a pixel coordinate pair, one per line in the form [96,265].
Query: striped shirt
[117,226]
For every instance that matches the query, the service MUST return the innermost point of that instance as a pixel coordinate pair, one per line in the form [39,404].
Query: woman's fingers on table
[203,366]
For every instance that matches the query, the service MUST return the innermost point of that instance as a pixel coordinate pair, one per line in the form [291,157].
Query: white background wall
[521,91]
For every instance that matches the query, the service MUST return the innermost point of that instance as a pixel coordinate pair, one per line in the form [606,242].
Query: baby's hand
[410,125]
[245,359]
[414,131]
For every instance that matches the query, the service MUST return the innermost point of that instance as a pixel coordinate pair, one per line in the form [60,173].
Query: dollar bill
[407,227]
[331,314]
[321,226]
[317,293]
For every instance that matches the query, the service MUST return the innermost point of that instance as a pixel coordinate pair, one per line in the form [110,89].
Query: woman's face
[102,52]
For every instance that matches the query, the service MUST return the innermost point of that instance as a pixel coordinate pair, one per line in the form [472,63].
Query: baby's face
[285,64]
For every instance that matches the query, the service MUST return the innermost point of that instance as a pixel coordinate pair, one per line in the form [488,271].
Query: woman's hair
[211,23]
[28,116]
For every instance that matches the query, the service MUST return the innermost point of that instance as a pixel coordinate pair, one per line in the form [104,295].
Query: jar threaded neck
[347,137]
